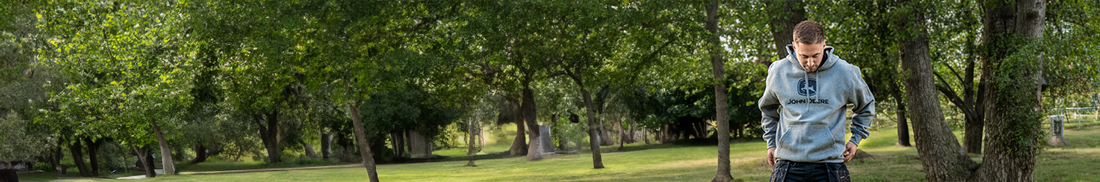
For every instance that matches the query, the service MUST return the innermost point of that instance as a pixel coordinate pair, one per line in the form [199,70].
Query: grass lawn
[461,151]
[660,162]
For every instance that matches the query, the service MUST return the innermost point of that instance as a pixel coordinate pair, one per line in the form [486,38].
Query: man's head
[809,44]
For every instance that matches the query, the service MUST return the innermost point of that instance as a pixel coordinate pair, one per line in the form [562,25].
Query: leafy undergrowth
[668,162]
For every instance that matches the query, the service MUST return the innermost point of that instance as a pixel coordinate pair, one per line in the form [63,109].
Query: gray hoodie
[804,115]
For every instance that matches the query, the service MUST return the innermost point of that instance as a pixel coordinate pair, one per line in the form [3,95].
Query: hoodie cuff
[771,143]
[856,140]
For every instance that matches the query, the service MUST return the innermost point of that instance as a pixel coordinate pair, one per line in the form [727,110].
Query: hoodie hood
[827,63]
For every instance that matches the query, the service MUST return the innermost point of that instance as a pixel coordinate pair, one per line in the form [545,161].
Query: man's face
[810,55]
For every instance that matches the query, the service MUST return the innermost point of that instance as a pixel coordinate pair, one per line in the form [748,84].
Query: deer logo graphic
[807,87]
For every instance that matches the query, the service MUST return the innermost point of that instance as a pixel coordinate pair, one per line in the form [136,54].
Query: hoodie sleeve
[769,110]
[864,112]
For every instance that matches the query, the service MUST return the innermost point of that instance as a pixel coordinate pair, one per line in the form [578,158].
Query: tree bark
[605,136]
[785,15]
[631,132]
[309,151]
[393,143]
[364,145]
[530,114]
[200,153]
[975,121]
[593,128]
[942,158]
[471,140]
[78,157]
[269,134]
[420,146]
[720,101]
[622,136]
[326,145]
[972,140]
[519,144]
[55,159]
[146,163]
[1005,159]
[165,151]
[903,125]
[92,146]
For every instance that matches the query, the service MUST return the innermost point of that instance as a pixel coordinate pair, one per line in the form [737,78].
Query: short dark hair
[809,32]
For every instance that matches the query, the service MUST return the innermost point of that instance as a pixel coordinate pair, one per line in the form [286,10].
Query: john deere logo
[807,87]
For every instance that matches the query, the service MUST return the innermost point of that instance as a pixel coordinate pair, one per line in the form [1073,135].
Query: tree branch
[635,69]
[952,72]
[953,97]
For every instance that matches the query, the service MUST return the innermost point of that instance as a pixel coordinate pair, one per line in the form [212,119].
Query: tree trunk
[903,125]
[364,145]
[942,158]
[146,162]
[519,144]
[8,174]
[622,138]
[471,140]
[419,145]
[720,101]
[309,151]
[631,133]
[593,122]
[975,122]
[92,146]
[605,136]
[55,159]
[269,134]
[394,144]
[405,146]
[200,153]
[785,15]
[1012,124]
[78,157]
[326,145]
[165,151]
[972,139]
[530,114]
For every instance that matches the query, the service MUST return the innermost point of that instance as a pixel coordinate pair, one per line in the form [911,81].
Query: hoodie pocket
[805,142]
[839,150]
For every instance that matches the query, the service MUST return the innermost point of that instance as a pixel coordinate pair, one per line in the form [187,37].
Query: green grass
[461,151]
[659,162]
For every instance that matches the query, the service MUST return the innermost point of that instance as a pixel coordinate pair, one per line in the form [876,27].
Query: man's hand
[849,152]
[771,157]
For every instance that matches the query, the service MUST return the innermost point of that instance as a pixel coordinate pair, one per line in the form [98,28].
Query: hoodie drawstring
[804,88]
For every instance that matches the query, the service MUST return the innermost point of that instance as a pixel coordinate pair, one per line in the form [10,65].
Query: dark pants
[785,171]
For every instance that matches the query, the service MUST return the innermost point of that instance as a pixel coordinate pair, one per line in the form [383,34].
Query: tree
[142,76]
[717,61]
[1012,65]
[394,46]
[953,45]
[784,14]
[941,156]
[511,36]
[21,92]
[22,142]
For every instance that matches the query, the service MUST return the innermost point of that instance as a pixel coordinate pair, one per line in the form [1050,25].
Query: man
[803,110]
